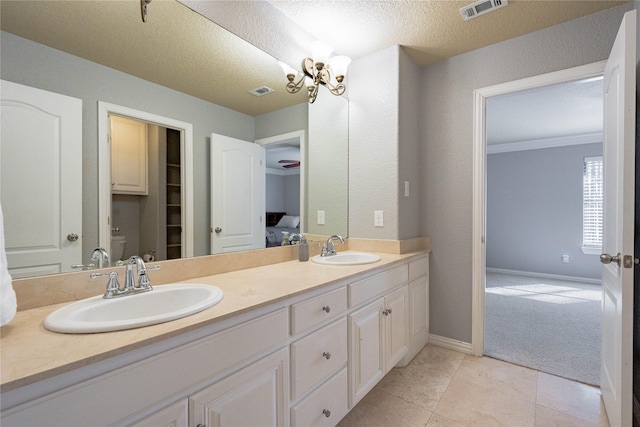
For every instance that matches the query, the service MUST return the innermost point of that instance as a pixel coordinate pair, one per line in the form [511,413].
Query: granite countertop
[30,353]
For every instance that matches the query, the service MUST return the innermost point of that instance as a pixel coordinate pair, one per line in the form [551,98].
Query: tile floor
[442,387]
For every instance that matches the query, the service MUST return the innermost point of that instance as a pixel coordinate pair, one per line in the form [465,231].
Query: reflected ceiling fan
[290,163]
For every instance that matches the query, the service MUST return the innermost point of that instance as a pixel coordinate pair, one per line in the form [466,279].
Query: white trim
[536,144]
[545,275]
[591,250]
[478,259]
[461,346]
[104,171]
[301,136]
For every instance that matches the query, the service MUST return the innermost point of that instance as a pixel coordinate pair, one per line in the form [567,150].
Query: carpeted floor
[550,325]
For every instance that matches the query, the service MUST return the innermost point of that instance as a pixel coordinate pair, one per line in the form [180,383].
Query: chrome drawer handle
[326,308]
[326,412]
[326,355]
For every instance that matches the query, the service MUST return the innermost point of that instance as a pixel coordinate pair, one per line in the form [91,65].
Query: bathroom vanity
[291,344]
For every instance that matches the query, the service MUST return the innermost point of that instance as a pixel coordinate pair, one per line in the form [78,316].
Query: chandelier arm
[294,87]
[313,93]
[338,89]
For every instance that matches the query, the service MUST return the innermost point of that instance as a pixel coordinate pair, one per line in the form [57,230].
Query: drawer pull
[326,355]
[326,308]
[387,312]
[326,412]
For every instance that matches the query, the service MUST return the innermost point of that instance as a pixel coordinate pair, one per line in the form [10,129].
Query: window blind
[592,196]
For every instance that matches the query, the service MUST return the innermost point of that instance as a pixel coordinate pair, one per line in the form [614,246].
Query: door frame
[479,208]
[300,135]
[104,170]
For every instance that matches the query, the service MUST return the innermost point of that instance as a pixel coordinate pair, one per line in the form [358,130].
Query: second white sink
[162,304]
[347,258]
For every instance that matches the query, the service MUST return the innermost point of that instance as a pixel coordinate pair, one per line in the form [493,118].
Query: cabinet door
[128,156]
[396,324]
[366,351]
[175,415]
[254,396]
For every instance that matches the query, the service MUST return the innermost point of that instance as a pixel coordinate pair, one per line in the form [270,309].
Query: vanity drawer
[317,356]
[325,406]
[372,287]
[418,267]
[316,310]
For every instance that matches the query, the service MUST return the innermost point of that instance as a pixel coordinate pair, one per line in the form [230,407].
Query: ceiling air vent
[480,8]
[262,90]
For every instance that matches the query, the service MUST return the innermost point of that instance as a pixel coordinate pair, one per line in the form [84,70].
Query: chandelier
[321,69]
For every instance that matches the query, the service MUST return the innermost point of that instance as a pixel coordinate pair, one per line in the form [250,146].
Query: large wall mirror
[185,78]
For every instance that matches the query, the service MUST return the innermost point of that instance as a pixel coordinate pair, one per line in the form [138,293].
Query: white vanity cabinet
[137,391]
[418,333]
[129,156]
[302,361]
[319,387]
[378,330]
[254,396]
[174,415]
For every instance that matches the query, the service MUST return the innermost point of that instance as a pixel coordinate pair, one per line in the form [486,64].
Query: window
[592,197]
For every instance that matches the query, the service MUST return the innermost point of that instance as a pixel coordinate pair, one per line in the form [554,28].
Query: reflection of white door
[41,180]
[237,195]
[617,275]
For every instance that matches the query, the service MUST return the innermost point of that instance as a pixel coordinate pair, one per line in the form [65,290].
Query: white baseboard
[451,344]
[545,276]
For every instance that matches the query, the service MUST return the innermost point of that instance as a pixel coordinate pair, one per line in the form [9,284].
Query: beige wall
[373,144]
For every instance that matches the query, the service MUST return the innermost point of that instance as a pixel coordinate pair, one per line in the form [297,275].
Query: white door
[237,195]
[41,180]
[617,269]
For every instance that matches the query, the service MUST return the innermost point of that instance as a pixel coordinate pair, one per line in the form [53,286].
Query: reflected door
[41,180]
[237,195]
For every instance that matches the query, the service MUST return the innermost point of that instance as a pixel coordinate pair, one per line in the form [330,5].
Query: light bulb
[320,52]
[339,65]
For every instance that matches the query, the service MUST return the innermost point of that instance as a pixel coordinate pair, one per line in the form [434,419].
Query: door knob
[608,259]
[72,237]
[218,230]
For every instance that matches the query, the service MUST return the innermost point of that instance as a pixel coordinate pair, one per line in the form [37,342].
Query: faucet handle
[113,287]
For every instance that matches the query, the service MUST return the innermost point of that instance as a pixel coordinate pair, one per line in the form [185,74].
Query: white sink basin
[162,304]
[347,258]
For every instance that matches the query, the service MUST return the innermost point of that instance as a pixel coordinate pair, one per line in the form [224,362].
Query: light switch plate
[320,217]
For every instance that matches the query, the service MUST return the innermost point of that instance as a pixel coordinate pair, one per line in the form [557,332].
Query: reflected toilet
[117,247]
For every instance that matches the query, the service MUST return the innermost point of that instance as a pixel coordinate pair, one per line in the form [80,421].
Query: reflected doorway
[147,214]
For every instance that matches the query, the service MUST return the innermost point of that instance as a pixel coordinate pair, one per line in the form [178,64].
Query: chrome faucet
[143,280]
[328,248]
[102,256]
[113,286]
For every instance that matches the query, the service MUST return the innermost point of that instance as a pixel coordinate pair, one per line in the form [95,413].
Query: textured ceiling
[182,50]
[429,30]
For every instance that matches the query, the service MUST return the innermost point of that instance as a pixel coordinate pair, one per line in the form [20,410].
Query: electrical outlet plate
[378,219]
[320,217]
